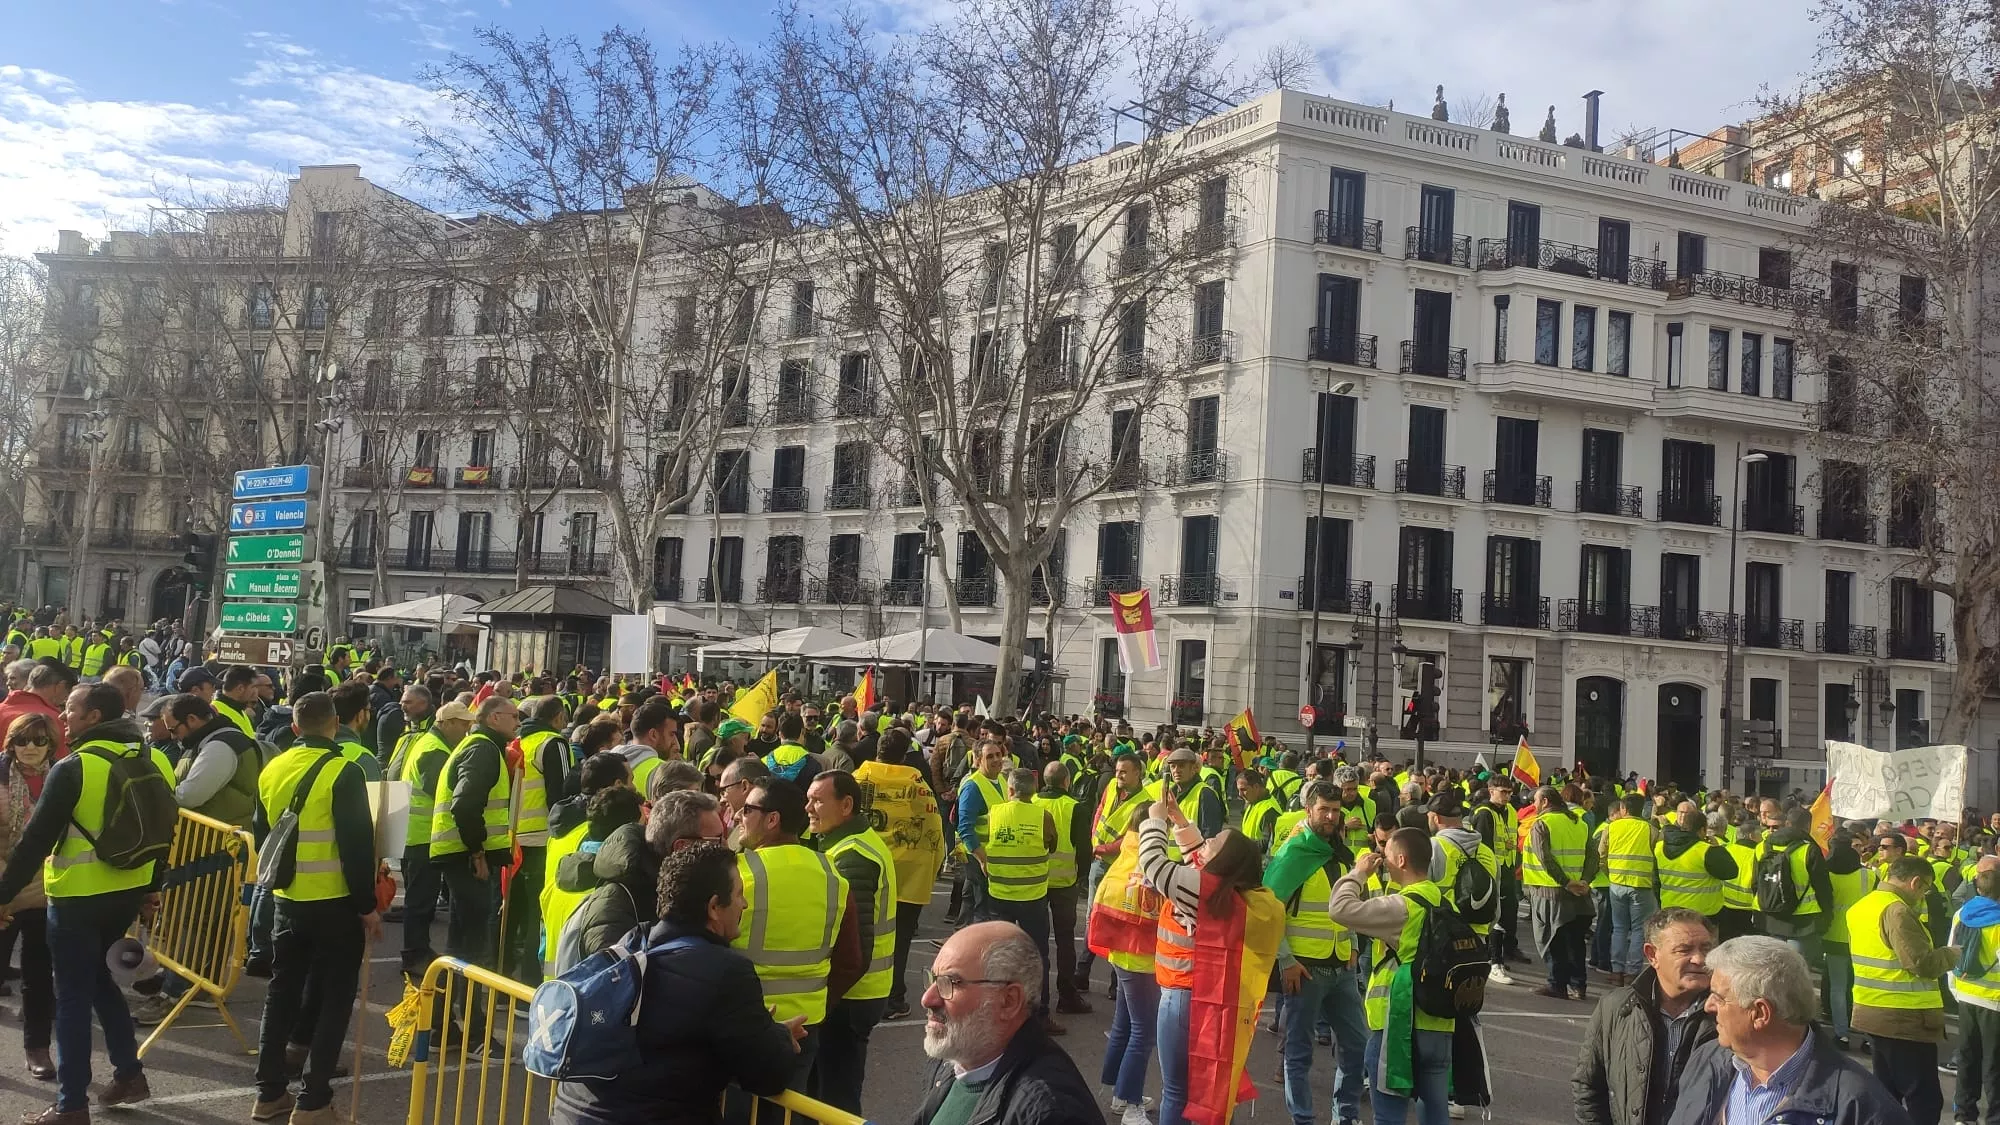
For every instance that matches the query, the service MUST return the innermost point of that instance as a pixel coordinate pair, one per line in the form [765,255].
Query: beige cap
[454,712]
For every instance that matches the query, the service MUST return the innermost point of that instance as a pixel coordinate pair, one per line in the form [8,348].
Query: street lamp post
[1343,387]
[930,528]
[1729,617]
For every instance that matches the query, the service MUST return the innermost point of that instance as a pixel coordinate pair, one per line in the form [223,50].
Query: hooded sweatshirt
[622,876]
[1719,864]
[1465,839]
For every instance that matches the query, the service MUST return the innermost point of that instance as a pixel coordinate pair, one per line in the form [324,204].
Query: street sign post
[259,617]
[272,651]
[268,515]
[259,550]
[1308,715]
[261,584]
[264,484]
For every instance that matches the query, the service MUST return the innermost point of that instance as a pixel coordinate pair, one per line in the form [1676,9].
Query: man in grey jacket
[1642,1034]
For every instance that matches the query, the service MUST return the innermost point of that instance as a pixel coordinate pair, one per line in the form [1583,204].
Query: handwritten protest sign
[1915,784]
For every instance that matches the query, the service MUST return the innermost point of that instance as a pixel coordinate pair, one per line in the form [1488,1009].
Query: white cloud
[68,160]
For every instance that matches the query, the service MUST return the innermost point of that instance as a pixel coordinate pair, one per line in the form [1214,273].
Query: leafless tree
[608,175]
[1894,130]
[1290,65]
[1014,277]
[23,299]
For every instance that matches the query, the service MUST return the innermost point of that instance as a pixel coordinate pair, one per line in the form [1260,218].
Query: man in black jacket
[995,1064]
[1642,1034]
[702,1021]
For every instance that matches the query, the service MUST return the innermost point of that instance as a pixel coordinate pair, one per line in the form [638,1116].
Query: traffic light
[1430,690]
[1411,722]
[198,556]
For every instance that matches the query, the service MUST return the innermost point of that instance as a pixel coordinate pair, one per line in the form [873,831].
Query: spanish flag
[688,686]
[1242,731]
[1822,818]
[753,703]
[865,695]
[1234,953]
[1526,769]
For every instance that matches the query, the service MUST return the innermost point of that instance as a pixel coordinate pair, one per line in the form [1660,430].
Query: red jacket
[25,702]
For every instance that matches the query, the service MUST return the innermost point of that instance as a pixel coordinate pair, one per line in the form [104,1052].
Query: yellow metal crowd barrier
[203,924]
[455,1080]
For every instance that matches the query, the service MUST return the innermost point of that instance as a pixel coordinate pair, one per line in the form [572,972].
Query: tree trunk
[1016,604]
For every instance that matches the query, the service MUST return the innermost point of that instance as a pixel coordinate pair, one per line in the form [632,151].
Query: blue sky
[105,104]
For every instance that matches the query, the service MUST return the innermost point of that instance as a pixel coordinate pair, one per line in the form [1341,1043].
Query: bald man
[129,683]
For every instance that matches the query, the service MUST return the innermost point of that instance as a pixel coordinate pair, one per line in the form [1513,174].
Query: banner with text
[1922,782]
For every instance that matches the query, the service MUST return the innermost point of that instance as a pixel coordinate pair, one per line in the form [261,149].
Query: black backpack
[140,811]
[1474,893]
[1448,978]
[1775,892]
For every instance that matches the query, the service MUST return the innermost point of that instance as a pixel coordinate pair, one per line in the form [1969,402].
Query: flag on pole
[688,686]
[753,703]
[979,708]
[1526,770]
[1480,763]
[1822,818]
[1132,616]
[1242,732]
[865,695]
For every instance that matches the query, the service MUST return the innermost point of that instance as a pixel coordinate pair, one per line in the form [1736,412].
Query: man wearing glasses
[995,1063]
[801,931]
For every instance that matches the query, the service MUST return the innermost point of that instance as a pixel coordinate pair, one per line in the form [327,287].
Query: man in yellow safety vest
[544,769]
[1896,997]
[1022,837]
[862,857]
[1625,852]
[469,827]
[1072,848]
[980,792]
[421,765]
[326,913]
[1556,867]
[801,930]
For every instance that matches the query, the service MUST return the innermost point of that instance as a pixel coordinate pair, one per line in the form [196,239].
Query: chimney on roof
[1590,121]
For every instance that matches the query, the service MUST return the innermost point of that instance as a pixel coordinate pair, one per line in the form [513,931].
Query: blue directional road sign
[261,484]
[269,515]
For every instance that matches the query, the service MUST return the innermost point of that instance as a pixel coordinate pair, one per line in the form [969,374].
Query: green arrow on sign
[259,617]
[267,549]
[261,584]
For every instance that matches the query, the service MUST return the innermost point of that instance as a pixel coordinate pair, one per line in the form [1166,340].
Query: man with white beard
[994,1061]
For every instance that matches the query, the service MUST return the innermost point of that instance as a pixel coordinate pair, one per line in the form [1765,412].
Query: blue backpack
[584,1023]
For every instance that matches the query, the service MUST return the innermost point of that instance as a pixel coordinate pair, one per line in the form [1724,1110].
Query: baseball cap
[1183,755]
[195,677]
[730,728]
[454,712]
[1448,802]
[152,707]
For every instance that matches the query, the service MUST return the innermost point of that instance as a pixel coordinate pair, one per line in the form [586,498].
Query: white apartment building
[1514,396]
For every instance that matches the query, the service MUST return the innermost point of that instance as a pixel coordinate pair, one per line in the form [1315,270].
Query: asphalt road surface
[201,1076]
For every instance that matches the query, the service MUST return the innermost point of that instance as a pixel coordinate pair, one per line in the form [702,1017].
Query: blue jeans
[1839,987]
[1085,958]
[1331,993]
[1600,931]
[1630,907]
[263,918]
[1431,1063]
[81,932]
[1172,1034]
[1130,1048]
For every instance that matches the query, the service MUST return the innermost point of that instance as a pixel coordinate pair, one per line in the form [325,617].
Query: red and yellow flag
[1526,769]
[1232,970]
[688,684]
[865,695]
[1242,731]
[1822,818]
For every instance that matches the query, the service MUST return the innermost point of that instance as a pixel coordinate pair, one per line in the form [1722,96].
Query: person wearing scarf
[1217,941]
[31,743]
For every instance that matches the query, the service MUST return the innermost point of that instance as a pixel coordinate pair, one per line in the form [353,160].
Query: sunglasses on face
[36,740]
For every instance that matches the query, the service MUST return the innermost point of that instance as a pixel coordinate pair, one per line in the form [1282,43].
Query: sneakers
[1133,1115]
[1551,993]
[897,1010]
[129,1090]
[1455,1111]
[324,1115]
[1073,1005]
[277,1107]
[1573,992]
[1948,1068]
[1120,1105]
[1498,974]
[150,1010]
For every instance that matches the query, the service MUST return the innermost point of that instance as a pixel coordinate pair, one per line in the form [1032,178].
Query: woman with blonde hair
[24,763]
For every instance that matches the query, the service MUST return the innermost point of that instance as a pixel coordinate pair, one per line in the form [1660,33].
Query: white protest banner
[1922,782]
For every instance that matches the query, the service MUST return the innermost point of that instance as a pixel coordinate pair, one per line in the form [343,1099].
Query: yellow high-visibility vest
[1567,839]
[1740,893]
[445,837]
[317,875]
[874,984]
[423,802]
[532,828]
[1685,882]
[73,869]
[1630,845]
[1312,935]
[1062,861]
[1017,852]
[1880,981]
[557,904]
[1848,889]
[795,898]
[989,788]
[1422,896]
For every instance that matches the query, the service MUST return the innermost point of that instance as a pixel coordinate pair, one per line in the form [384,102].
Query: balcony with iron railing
[977,590]
[839,589]
[1749,291]
[1203,466]
[1569,258]
[1347,231]
[1208,349]
[1326,346]
[1908,644]
[1704,626]
[849,496]
[1760,631]
[1102,586]
[1043,588]
[785,499]
[1341,596]
[1431,480]
[1774,519]
[1126,475]
[544,476]
[1428,604]
[734,500]
[1611,500]
[1052,377]
[590,563]
[787,590]
[1847,640]
[735,412]
[903,591]
[1514,613]
[1905,529]
[1607,619]
[666,589]
[853,402]
[1210,237]
[1131,259]
[1443,363]
[1190,589]
[731,590]
[1674,507]
[1525,491]
[1845,525]
[1437,247]
[1350,471]
[791,410]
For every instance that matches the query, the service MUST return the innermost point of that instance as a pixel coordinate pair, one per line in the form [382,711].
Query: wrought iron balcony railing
[1351,231]
[1910,645]
[1852,640]
[1352,471]
[781,591]
[1337,597]
[1206,466]
[1528,492]
[1431,480]
[787,499]
[903,591]
[1101,587]
[1422,604]
[791,410]
[1845,526]
[1438,247]
[1773,632]
[1777,519]
[1355,350]
[1190,589]
[849,497]
[1749,291]
[1444,363]
[1611,501]
[1610,619]
[977,590]
[1677,508]
[1515,613]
